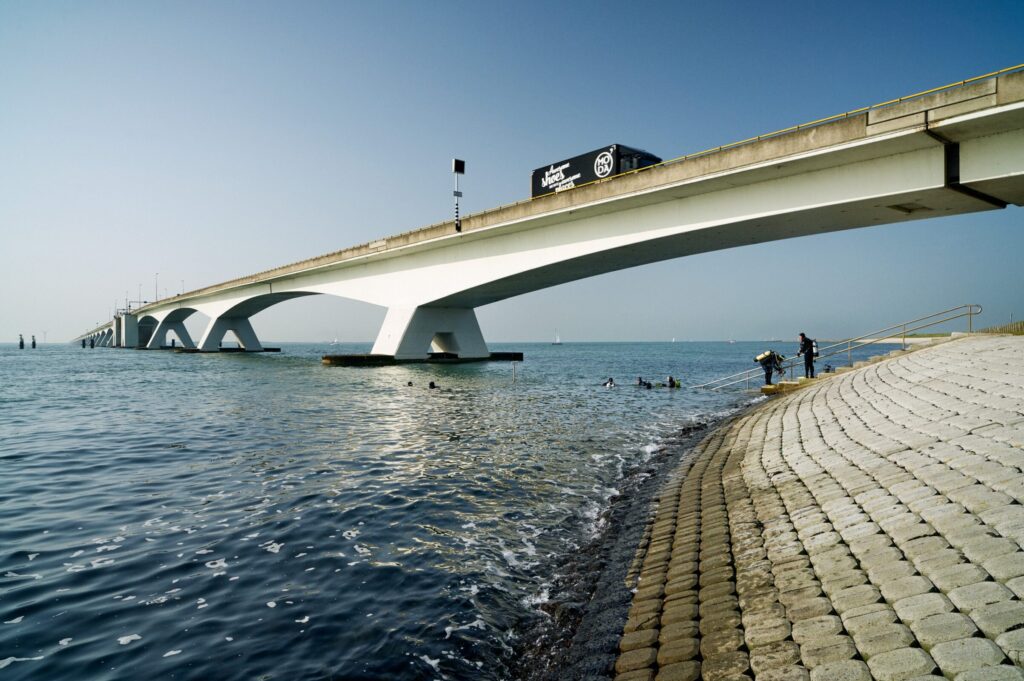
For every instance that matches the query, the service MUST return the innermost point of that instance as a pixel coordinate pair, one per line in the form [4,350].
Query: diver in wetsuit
[807,350]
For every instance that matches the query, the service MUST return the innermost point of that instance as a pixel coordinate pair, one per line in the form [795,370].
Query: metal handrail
[849,345]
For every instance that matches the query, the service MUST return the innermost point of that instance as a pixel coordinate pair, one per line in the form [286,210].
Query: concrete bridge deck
[953,151]
[868,526]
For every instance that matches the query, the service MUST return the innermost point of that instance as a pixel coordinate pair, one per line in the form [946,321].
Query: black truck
[594,165]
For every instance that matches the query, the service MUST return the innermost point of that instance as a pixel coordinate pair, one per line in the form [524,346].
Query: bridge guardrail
[792,364]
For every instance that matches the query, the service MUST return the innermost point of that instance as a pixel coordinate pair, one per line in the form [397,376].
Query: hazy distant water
[238,517]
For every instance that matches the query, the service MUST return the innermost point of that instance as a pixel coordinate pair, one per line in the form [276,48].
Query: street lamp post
[156,291]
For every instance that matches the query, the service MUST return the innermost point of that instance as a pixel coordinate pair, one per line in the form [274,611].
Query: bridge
[949,151]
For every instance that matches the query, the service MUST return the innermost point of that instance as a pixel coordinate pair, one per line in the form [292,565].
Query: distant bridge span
[950,151]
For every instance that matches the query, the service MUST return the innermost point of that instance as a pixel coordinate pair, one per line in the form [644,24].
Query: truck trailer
[595,165]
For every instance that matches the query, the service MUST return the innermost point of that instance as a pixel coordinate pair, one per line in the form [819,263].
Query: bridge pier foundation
[217,328]
[413,332]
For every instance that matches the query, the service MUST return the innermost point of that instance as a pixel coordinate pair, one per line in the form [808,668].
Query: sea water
[230,516]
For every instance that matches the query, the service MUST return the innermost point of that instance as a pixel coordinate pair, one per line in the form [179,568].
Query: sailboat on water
[558,339]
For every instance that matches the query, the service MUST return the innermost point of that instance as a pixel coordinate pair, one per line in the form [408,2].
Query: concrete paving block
[678,631]
[766,630]
[834,582]
[644,638]
[999,618]
[901,664]
[1005,566]
[948,626]
[807,608]
[636,675]
[885,572]
[1016,585]
[987,547]
[787,673]
[816,627]
[1003,672]
[861,619]
[882,638]
[636,659]
[921,549]
[679,650]
[854,597]
[918,607]
[1012,643]
[973,596]
[905,587]
[846,670]
[906,533]
[680,671]
[725,666]
[720,641]
[954,657]
[773,656]
[955,576]
[819,651]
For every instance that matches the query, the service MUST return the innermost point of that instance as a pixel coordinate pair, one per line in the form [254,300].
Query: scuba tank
[762,356]
[814,348]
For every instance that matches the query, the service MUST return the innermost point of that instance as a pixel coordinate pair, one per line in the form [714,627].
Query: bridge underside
[930,157]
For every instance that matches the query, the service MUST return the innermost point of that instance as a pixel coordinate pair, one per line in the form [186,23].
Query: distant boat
[335,341]
[558,339]
[732,342]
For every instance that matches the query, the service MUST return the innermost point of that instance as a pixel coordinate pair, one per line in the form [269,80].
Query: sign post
[458,168]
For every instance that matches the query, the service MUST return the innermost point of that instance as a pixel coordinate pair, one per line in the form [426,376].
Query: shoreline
[587,619]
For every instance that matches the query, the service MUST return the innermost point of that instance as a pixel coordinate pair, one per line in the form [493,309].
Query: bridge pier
[413,332]
[159,337]
[130,331]
[240,326]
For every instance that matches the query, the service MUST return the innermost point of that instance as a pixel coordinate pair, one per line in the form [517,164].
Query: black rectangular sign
[595,165]
[578,170]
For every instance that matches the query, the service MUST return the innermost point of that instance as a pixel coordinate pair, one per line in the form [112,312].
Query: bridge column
[412,332]
[130,331]
[118,339]
[240,326]
[159,337]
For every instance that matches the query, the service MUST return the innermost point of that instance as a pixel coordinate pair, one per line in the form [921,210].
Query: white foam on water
[16,620]
[434,664]
[303,620]
[15,575]
[64,641]
[350,534]
[203,552]
[218,564]
[102,562]
[475,624]
[271,604]
[172,653]
[362,550]
[77,553]
[32,556]
[272,547]
[229,638]
[543,597]
[300,555]
[7,661]
[125,640]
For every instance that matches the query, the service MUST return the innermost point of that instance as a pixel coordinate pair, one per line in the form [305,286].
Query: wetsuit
[807,350]
[768,364]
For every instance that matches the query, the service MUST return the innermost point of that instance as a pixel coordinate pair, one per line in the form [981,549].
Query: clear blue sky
[208,140]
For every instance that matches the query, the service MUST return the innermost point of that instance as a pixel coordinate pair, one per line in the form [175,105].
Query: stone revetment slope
[869,526]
